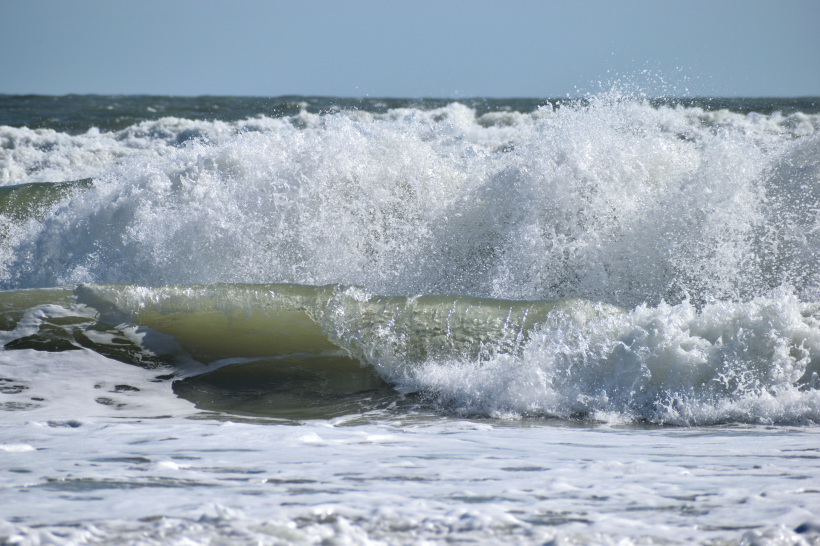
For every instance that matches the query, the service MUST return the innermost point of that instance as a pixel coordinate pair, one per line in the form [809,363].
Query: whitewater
[381,321]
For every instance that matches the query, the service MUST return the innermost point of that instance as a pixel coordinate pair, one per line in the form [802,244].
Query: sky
[448,49]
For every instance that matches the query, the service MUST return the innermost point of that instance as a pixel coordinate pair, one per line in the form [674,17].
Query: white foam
[75,385]
[114,481]
[16,448]
[617,201]
[754,362]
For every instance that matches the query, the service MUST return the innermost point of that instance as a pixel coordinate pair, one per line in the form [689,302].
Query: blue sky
[410,49]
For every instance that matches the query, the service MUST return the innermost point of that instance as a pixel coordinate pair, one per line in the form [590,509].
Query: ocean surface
[308,320]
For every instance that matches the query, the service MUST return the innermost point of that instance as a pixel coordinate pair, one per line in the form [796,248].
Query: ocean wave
[608,258]
[288,348]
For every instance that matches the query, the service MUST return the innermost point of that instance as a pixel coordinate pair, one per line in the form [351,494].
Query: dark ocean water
[74,114]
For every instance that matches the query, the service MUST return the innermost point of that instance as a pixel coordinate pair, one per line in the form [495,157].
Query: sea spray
[612,200]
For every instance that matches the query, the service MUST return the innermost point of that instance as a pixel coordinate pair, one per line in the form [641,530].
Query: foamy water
[617,202]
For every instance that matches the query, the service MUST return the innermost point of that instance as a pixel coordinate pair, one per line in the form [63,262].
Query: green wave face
[297,352]
[278,350]
[24,201]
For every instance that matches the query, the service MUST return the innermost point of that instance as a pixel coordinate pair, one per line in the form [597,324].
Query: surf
[309,350]
[609,258]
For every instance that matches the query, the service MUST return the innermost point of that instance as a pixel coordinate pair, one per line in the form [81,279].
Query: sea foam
[615,201]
